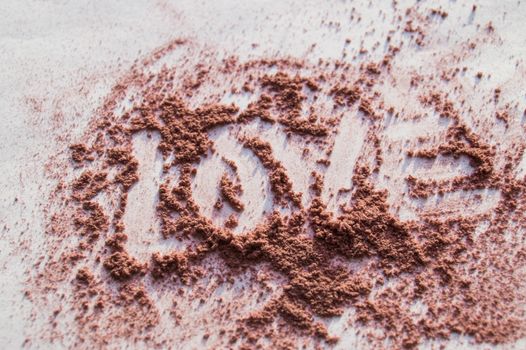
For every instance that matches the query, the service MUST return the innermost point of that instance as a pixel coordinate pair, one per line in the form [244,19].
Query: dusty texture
[279,180]
[361,256]
[230,192]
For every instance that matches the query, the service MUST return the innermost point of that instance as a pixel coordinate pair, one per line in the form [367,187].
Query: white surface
[57,58]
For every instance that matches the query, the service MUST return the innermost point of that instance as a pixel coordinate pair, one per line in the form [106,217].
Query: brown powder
[231,192]
[279,180]
[361,257]
[122,267]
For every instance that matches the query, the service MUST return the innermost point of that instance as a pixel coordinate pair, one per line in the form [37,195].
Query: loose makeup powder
[316,253]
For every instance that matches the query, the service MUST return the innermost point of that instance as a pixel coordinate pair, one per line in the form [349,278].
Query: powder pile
[464,272]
